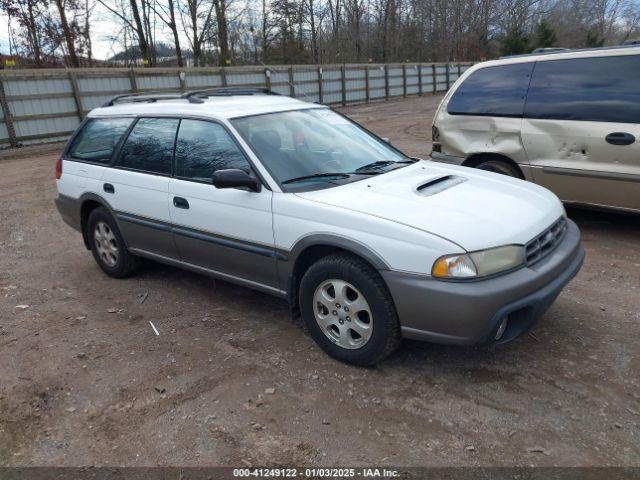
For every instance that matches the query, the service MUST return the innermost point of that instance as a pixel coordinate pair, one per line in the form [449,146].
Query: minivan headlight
[480,263]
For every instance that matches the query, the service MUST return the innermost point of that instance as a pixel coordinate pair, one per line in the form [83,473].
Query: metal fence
[47,105]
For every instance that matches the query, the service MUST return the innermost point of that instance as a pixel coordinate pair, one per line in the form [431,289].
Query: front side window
[204,147]
[601,89]
[98,138]
[492,91]
[315,148]
[149,146]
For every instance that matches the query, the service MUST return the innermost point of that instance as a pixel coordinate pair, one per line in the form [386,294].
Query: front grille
[546,242]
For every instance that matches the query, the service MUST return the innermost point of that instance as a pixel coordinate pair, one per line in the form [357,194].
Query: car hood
[472,208]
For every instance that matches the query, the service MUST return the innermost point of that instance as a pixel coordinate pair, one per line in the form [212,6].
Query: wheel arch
[314,247]
[88,203]
[477,158]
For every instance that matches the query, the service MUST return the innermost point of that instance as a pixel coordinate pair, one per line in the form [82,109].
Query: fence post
[267,78]
[459,70]
[343,84]
[8,120]
[447,73]
[420,79]
[386,82]
[182,76]
[292,89]
[132,80]
[434,84]
[367,89]
[223,76]
[404,80]
[320,86]
[76,94]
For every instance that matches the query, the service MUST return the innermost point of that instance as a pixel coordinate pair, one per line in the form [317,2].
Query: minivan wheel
[107,245]
[348,310]
[501,167]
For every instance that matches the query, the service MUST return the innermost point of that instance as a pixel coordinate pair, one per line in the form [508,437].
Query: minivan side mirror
[236,178]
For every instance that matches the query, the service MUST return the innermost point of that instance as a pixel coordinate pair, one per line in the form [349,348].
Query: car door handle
[180,202]
[107,187]
[620,138]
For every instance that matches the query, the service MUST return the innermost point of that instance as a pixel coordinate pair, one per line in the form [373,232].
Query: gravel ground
[233,380]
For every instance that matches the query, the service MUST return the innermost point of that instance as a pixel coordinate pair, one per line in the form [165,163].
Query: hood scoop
[439,184]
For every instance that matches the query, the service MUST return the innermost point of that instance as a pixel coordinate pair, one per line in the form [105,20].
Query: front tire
[107,245]
[348,310]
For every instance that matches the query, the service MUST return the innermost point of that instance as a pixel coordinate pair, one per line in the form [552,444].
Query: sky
[102,25]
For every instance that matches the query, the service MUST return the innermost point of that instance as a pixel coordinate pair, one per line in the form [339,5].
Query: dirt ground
[232,380]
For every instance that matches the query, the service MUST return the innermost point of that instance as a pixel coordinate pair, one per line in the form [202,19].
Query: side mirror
[236,178]
[386,140]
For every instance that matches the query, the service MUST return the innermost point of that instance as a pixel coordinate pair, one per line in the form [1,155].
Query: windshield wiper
[376,166]
[318,175]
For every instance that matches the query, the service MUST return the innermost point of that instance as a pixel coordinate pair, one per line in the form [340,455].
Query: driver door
[228,231]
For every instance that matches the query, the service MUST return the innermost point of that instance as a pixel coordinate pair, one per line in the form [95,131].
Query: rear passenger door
[137,186]
[581,129]
[226,230]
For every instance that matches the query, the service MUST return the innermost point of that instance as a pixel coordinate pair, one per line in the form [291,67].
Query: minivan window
[149,146]
[600,89]
[492,91]
[97,139]
[204,147]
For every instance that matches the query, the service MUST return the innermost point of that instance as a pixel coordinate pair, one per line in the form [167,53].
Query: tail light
[59,168]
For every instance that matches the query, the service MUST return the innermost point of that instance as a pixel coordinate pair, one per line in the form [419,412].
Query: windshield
[316,148]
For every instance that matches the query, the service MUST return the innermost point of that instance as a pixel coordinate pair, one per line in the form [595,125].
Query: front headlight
[479,264]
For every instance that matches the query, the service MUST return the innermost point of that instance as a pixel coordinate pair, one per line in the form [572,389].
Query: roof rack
[141,97]
[197,96]
[571,50]
[193,96]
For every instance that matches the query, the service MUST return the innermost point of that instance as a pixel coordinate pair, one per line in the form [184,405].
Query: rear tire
[348,310]
[108,246]
[501,167]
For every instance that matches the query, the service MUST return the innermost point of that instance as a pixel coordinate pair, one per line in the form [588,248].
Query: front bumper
[468,313]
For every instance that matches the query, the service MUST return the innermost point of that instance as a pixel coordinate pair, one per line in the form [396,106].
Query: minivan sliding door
[581,130]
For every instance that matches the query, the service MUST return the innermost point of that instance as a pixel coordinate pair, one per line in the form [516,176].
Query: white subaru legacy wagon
[294,199]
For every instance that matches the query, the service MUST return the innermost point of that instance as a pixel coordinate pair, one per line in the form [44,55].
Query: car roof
[561,55]
[216,107]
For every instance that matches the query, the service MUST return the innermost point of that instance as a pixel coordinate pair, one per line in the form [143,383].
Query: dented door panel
[573,159]
[463,136]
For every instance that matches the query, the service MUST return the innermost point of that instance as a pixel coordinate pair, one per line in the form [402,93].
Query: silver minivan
[569,121]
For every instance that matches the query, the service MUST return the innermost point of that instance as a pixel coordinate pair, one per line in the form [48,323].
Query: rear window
[603,89]
[98,138]
[493,91]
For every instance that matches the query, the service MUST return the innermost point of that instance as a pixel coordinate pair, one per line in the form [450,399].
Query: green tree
[594,40]
[515,42]
[545,35]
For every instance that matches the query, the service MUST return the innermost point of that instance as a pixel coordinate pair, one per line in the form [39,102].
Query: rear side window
[98,138]
[204,147]
[601,89]
[149,146]
[493,91]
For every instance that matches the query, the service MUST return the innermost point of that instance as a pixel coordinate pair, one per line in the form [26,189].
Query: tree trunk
[32,29]
[68,34]
[174,29]
[223,35]
[142,39]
